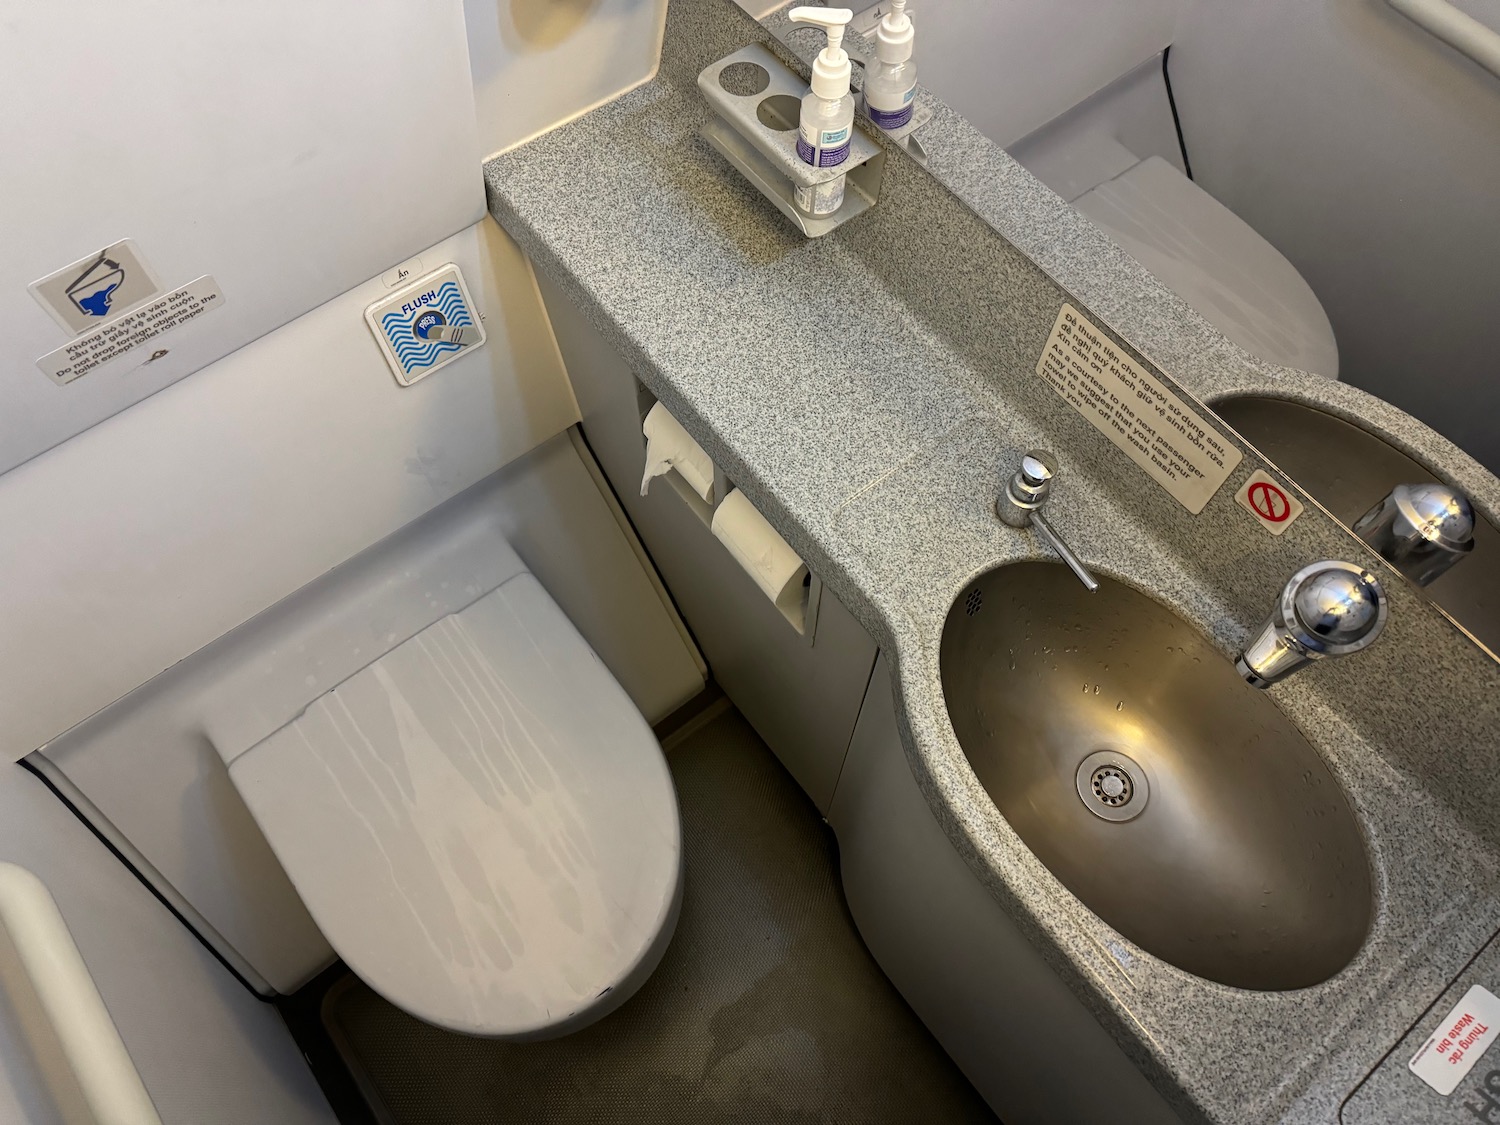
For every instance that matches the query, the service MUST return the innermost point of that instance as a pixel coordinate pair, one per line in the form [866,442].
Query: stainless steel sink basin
[1174,800]
[1349,470]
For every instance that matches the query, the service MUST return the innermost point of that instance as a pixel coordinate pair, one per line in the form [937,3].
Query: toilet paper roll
[763,554]
[669,446]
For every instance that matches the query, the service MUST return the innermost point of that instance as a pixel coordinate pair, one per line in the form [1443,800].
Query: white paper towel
[763,554]
[669,446]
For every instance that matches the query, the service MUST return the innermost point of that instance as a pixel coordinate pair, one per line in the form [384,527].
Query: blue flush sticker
[426,324]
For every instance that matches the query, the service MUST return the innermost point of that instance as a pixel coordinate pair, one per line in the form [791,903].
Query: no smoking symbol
[1269,502]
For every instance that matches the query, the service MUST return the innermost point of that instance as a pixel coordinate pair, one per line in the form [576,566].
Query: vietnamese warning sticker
[130,330]
[1131,407]
[1273,507]
[426,325]
[97,289]
[1459,1039]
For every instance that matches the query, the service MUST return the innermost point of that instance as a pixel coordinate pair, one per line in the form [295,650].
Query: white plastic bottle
[827,124]
[891,80]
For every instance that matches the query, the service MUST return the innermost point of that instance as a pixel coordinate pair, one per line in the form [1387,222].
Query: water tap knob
[1327,609]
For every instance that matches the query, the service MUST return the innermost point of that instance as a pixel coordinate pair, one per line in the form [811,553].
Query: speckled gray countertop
[869,389]
[1391,1096]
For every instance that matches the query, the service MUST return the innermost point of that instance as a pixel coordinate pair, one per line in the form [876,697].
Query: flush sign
[426,325]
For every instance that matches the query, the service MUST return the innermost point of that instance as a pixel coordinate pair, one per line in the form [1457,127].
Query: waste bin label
[1457,1042]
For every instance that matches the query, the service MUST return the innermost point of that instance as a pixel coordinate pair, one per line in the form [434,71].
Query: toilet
[1215,261]
[480,821]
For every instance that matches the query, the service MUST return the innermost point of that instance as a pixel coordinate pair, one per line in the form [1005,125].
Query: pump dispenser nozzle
[893,34]
[830,71]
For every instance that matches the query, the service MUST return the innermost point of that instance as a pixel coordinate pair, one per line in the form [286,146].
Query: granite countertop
[869,390]
[1163,327]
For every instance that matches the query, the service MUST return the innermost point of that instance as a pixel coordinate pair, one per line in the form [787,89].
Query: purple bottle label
[823,158]
[892,119]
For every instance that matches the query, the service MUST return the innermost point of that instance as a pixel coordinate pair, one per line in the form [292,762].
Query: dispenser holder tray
[757,101]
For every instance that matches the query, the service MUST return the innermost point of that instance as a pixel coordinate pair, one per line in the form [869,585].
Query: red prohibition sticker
[1272,505]
[1269,502]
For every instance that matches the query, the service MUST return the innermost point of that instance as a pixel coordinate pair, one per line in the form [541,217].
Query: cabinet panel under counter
[801,691]
[1028,1045]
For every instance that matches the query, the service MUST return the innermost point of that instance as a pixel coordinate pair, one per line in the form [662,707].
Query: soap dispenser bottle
[891,81]
[826,127]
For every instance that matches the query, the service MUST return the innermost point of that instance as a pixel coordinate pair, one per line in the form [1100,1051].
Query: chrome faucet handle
[1021,506]
[1420,529]
[1329,608]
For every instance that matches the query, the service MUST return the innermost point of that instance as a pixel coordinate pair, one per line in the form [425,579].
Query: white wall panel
[1368,153]
[137,543]
[288,149]
[538,63]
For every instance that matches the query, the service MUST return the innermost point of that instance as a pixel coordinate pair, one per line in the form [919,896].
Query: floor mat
[766,1008]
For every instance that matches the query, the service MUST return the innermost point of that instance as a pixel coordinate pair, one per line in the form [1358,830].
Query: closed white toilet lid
[1217,263]
[480,822]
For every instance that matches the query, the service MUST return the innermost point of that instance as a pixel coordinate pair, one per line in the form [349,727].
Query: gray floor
[766,1007]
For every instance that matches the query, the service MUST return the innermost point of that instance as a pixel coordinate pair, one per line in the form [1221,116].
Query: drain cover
[1112,786]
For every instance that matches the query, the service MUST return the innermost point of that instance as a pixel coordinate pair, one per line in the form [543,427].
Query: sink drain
[1112,786]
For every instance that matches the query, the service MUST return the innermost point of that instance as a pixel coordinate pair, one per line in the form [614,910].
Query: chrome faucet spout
[1330,608]
[1040,525]
[1420,529]
[1021,506]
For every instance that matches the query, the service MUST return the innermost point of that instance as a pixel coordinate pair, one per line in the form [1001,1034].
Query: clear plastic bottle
[826,127]
[891,80]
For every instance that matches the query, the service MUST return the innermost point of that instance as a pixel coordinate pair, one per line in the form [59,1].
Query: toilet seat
[1215,262]
[480,822]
